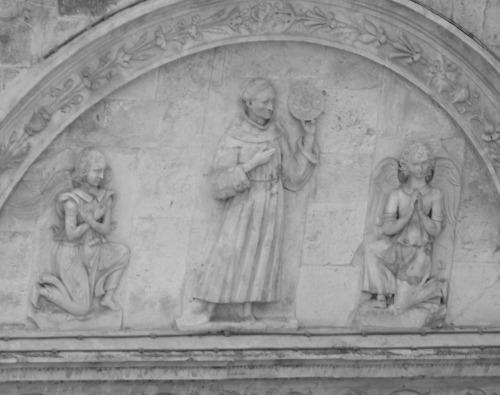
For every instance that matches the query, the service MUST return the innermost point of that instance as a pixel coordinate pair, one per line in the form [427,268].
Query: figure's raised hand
[262,156]
[86,214]
[99,213]
[420,205]
[309,127]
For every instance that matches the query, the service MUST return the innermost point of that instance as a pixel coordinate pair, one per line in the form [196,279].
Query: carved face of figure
[261,106]
[417,160]
[418,165]
[95,174]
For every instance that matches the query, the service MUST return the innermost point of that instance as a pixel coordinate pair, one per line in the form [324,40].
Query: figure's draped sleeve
[62,209]
[298,165]
[227,177]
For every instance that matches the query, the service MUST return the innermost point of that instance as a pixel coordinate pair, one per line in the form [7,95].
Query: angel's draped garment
[245,262]
[88,265]
[405,257]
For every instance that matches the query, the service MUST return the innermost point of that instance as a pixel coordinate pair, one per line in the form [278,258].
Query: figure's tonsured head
[90,168]
[417,159]
[258,99]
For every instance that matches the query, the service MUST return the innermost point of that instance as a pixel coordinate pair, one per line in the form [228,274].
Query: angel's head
[417,160]
[90,168]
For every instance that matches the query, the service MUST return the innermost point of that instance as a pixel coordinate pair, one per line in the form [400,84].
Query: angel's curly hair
[417,149]
[83,163]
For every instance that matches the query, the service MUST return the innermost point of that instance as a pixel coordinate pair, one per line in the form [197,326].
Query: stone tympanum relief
[253,162]
[86,268]
[414,199]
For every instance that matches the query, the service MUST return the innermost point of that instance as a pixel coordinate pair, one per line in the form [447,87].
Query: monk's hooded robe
[245,262]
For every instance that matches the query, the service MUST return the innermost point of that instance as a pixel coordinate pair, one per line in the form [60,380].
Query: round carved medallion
[305,102]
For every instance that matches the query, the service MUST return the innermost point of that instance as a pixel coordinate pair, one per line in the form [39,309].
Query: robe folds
[244,264]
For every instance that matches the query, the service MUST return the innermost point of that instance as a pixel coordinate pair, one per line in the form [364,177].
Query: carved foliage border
[359,30]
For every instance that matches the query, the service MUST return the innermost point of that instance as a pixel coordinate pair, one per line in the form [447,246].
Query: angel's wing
[35,198]
[385,180]
[447,179]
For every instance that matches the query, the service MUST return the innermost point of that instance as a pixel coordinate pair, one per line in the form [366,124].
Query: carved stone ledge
[161,363]
[167,357]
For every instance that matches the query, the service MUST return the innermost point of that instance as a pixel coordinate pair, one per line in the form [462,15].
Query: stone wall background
[159,134]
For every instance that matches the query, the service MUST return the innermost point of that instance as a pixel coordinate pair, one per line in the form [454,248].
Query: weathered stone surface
[472,16]
[491,34]
[343,177]
[276,61]
[166,183]
[7,75]
[13,297]
[332,299]
[143,88]
[187,78]
[123,120]
[62,321]
[479,219]
[16,255]
[478,303]
[155,278]
[495,49]
[444,7]
[408,114]
[183,88]
[333,232]
[344,71]
[413,318]
[350,124]
[91,7]
[15,36]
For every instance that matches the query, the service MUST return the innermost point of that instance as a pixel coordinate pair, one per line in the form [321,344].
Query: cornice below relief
[157,366]
[129,357]
[399,39]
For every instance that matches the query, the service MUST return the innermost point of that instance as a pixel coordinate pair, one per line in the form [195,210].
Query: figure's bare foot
[107,301]
[376,304]
[199,312]
[365,297]
[46,292]
[188,319]
[395,310]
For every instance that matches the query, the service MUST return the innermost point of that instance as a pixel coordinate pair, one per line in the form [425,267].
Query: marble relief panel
[160,134]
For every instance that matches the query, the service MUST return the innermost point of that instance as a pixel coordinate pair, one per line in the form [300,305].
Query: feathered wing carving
[38,199]
[36,193]
[447,179]
[385,180]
